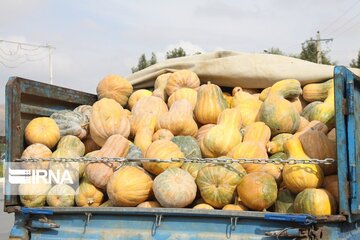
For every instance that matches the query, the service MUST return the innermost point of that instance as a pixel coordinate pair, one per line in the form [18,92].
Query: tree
[355,63]
[143,63]
[274,50]
[309,53]
[175,53]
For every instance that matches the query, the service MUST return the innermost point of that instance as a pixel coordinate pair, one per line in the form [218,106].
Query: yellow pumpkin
[115,87]
[135,96]
[297,177]
[219,140]
[87,195]
[315,202]
[179,120]
[160,85]
[264,93]
[42,130]
[317,91]
[183,93]
[228,99]
[277,112]
[165,150]
[182,79]
[129,186]
[149,204]
[248,105]
[210,103]
[203,130]
[162,134]
[235,207]
[144,134]
[203,206]
[325,112]
[108,118]
[277,143]
[36,150]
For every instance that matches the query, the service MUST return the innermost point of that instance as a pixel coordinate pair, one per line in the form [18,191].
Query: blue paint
[26,210]
[304,219]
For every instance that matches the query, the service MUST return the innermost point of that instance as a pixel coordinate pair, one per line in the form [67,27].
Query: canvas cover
[231,69]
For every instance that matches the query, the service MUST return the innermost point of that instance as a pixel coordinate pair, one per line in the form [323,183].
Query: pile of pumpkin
[182,119]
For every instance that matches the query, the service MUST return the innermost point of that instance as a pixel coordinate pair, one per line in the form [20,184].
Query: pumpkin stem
[90,201]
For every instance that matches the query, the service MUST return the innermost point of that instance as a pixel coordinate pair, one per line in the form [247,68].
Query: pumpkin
[99,173]
[33,194]
[145,131]
[210,103]
[219,140]
[279,155]
[160,85]
[315,202]
[217,184]
[129,186]
[228,99]
[297,177]
[183,93]
[325,112]
[36,150]
[127,113]
[235,207]
[331,184]
[182,79]
[134,152]
[202,131]
[193,167]
[188,146]
[61,195]
[332,134]
[149,204]
[90,145]
[248,105]
[71,123]
[277,112]
[87,195]
[162,134]
[277,143]
[296,102]
[317,91]
[174,188]
[138,94]
[85,110]
[257,191]
[179,120]
[42,130]
[303,123]
[72,143]
[285,201]
[203,206]
[107,204]
[308,109]
[72,167]
[107,119]
[165,150]
[114,87]
[264,93]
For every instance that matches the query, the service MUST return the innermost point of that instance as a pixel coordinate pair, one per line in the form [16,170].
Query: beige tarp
[230,69]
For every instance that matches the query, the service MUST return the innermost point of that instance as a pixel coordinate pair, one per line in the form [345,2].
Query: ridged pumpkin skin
[188,146]
[129,186]
[331,184]
[182,79]
[72,143]
[234,207]
[219,140]
[160,85]
[85,110]
[210,103]
[277,143]
[71,123]
[285,201]
[162,134]
[217,185]
[183,93]
[36,150]
[248,106]
[317,91]
[42,130]
[203,206]
[33,195]
[61,195]
[179,120]
[203,130]
[298,177]
[174,188]
[99,173]
[257,132]
[257,191]
[145,131]
[193,168]
[162,149]
[135,96]
[325,112]
[72,167]
[87,195]
[277,112]
[308,109]
[149,204]
[115,87]
[108,118]
[316,202]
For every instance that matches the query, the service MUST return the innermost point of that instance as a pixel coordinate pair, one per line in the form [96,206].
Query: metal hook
[232,227]
[156,224]
[88,216]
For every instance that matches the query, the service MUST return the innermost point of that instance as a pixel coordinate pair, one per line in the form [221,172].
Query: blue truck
[26,99]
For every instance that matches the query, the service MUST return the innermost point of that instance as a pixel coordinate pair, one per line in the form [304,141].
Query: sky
[97,38]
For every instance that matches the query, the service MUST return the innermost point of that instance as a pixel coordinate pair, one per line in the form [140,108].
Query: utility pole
[318,41]
[47,46]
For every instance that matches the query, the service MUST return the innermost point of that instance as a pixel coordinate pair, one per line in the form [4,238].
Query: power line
[318,41]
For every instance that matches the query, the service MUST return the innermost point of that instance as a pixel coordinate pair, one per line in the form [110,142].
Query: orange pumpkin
[183,93]
[36,150]
[42,130]
[87,195]
[162,134]
[149,204]
[182,79]
[115,87]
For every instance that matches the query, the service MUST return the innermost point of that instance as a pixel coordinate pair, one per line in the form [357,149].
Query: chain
[184,160]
